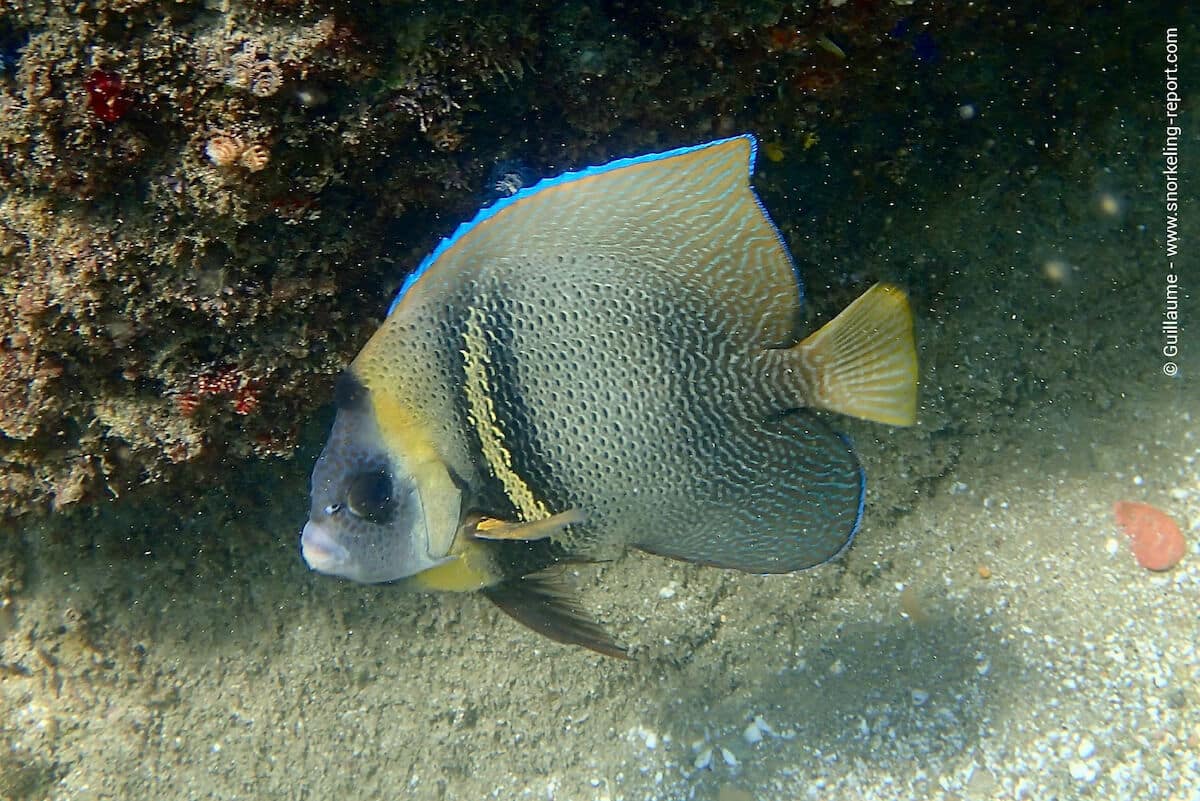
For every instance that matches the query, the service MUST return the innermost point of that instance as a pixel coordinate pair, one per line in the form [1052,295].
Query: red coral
[221,382]
[226,382]
[107,97]
[245,399]
[187,403]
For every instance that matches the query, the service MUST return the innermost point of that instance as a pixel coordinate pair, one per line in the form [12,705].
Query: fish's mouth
[320,550]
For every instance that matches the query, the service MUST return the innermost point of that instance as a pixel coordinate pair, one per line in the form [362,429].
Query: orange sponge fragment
[1155,538]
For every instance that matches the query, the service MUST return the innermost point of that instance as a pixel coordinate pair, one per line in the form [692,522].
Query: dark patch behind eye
[349,393]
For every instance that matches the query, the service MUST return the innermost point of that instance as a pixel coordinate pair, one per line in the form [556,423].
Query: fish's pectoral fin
[543,603]
[863,363]
[490,528]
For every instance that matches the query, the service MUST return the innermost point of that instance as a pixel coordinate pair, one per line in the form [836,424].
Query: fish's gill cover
[695,200]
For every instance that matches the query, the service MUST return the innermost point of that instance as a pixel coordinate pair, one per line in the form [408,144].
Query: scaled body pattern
[607,359]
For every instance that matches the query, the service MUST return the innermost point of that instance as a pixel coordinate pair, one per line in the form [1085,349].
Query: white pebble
[668,591]
[1084,771]
[1086,748]
[703,759]
[763,727]
[729,758]
[919,697]
[752,734]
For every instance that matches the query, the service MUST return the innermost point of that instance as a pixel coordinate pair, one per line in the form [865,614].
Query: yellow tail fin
[863,362]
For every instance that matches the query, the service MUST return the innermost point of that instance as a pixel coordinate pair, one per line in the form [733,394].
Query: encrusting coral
[224,150]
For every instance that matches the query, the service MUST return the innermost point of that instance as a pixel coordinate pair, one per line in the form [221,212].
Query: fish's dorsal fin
[691,211]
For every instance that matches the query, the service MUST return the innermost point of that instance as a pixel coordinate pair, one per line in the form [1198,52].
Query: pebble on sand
[1155,539]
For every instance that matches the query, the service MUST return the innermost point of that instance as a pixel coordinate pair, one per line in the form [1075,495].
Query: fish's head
[375,515]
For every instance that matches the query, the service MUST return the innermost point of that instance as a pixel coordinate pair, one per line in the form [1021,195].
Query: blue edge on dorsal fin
[567,177]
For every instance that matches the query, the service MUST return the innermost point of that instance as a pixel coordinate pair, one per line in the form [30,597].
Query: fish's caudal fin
[862,363]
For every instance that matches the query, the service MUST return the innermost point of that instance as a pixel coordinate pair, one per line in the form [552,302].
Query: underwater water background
[989,634]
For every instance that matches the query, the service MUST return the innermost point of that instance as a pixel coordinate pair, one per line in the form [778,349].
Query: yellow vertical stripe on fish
[482,412]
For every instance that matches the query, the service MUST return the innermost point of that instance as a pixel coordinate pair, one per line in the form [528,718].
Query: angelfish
[606,359]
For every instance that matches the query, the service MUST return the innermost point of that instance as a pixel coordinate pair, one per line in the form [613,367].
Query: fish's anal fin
[541,602]
[490,528]
[863,363]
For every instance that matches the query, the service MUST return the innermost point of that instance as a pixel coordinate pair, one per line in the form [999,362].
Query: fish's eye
[369,496]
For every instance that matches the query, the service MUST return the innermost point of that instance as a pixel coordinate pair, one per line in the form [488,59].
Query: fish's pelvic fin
[543,603]
[489,528]
[863,363]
